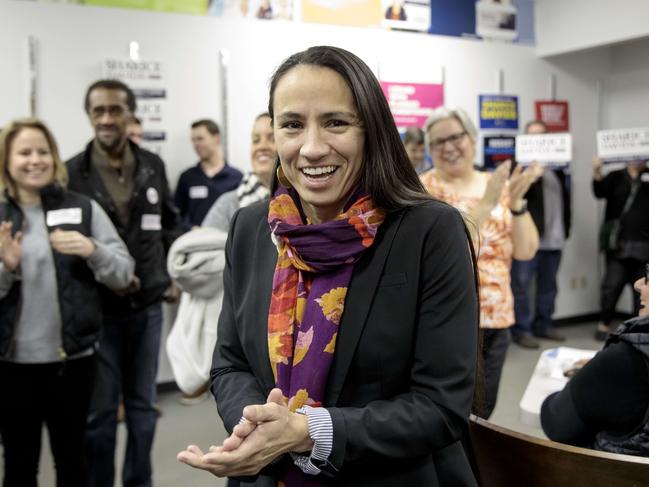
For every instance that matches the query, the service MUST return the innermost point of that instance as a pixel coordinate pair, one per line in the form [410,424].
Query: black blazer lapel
[362,289]
[266,271]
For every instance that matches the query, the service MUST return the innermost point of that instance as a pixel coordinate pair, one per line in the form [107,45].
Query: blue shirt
[196,192]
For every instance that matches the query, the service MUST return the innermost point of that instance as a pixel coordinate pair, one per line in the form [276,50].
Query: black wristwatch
[522,210]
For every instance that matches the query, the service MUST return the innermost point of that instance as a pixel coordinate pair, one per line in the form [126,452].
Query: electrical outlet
[583,282]
[573,283]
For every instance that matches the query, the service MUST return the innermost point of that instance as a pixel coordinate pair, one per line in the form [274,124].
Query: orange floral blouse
[494,254]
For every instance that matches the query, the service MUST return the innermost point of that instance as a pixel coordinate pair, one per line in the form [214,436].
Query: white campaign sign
[546,149]
[623,144]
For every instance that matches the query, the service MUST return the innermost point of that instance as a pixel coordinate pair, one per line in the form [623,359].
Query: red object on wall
[554,114]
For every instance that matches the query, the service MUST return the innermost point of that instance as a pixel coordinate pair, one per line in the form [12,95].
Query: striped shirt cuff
[321,432]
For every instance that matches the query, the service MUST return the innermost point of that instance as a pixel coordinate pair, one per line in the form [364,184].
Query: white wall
[625,101]
[626,89]
[564,26]
[74,40]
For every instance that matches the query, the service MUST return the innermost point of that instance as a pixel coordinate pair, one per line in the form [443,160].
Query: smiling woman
[348,334]
[56,246]
[320,139]
[494,204]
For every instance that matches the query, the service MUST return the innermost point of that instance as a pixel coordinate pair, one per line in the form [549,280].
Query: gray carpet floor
[199,424]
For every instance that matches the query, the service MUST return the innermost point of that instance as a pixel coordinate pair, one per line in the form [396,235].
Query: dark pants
[619,273]
[544,266]
[58,395]
[494,350]
[127,364]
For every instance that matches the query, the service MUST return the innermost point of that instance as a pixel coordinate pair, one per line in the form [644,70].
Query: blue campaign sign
[497,149]
[498,112]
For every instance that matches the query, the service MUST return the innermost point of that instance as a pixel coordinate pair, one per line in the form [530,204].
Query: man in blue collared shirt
[200,186]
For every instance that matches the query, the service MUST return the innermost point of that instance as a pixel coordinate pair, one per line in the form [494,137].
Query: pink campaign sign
[412,103]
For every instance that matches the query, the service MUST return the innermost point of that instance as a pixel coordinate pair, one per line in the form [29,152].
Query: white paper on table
[556,361]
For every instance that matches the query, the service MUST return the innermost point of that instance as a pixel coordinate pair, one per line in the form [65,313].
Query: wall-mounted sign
[412,15]
[547,149]
[412,103]
[146,79]
[621,145]
[498,112]
[494,20]
[360,13]
[497,149]
[554,114]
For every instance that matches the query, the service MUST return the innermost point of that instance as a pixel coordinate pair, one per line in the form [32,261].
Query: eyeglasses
[455,140]
[112,110]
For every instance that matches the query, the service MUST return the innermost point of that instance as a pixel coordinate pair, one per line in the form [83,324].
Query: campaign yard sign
[497,149]
[498,112]
[412,103]
[547,149]
[554,114]
[622,145]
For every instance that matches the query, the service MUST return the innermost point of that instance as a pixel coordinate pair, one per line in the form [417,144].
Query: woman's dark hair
[387,174]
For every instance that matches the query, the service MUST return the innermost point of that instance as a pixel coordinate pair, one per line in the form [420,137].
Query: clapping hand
[496,184]
[10,247]
[269,430]
[520,182]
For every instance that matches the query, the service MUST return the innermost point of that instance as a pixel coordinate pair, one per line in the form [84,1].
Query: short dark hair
[536,122]
[211,126]
[111,84]
[387,174]
[414,135]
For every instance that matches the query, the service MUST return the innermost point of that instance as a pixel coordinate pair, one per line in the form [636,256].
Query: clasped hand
[520,181]
[269,431]
[71,242]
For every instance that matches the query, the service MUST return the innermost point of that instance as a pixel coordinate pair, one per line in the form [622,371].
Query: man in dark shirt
[131,185]
[626,192]
[200,186]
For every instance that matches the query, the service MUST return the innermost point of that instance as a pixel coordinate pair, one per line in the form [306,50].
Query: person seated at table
[605,406]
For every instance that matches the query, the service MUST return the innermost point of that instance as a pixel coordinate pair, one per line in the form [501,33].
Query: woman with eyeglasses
[503,228]
[605,406]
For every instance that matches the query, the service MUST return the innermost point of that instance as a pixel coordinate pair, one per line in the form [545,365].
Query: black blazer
[401,383]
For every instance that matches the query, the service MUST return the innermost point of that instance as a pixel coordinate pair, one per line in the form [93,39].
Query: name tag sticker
[63,216]
[198,192]
[151,222]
